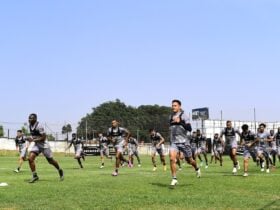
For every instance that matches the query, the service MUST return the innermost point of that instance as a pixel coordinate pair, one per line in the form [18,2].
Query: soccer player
[202,147]
[272,148]
[193,143]
[179,128]
[247,139]
[264,140]
[157,147]
[218,146]
[231,143]
[277,139]
[41,145]
[133,150]
[119,137]
[104,148]
[78,147]
[21,145]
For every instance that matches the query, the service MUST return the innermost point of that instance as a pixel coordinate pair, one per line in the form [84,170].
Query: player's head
[100,135]
[262,126]
[271,132]
[176,105]
[74,135]
[198,132]
[279,129]
[115,123]
[32,118]
[19,133]
[229,124]
[194,133]
[216,135]
[245,128]
[152,131]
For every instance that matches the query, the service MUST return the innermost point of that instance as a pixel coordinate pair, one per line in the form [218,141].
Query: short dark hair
[262,124]
[34,115]
[177,101]
[20,131]
[228,121]
[245,127]
[151,129]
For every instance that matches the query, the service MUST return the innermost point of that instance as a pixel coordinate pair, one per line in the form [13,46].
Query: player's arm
[162,140]
[41,138]
[127,136]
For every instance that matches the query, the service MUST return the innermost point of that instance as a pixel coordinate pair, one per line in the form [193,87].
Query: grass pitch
[135,188]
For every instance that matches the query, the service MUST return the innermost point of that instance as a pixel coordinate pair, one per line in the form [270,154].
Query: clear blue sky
[61,58]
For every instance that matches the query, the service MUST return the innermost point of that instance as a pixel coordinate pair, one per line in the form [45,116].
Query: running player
[21,146]
[193,145]
[78,147]
[133,150]
[272,148]
[264,140]
[119,137]
[277,139]
[202,147]
[41,145]
[218,145]
[157,147]
[104,148]
[247,139]
[231,143]
[179,128]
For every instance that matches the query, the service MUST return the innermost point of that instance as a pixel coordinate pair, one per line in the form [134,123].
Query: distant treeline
[137,119]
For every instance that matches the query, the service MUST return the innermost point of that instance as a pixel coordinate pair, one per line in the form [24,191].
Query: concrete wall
[60,146]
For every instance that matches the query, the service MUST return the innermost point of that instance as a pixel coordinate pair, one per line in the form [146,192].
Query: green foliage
[135,188]
[50,137]
[25,131]
[1,131]
[66,129]
[137,120]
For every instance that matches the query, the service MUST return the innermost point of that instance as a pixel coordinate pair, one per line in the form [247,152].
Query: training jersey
[248,137]
[217,143]
[178,132]
[201,141]
[155,138]
[37,130]
[77,143]
[20,141]
[277,139]
[230,135]
[263,139]
[103,142]
[117,134]
[132,143]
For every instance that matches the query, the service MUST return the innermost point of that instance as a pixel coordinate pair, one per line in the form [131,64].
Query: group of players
[262,146]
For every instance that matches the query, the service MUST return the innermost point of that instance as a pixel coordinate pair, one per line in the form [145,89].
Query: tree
[25,131]
[66,129]
[1,131]
[50,137]
[137,120]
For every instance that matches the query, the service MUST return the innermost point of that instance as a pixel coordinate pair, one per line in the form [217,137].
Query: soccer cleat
[267,171]
[115,173]
[262,169]
[155,168]
[34,179]
[164,168]
[180,169]
[139,165]
[61,174]
[206,166]
[198,173]
[201,164]
[16,170]
[173,182]
[245,174]
[234,170]
[101,166]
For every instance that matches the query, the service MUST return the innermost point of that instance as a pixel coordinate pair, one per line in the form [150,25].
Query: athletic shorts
[43,148]
[248,153]
[104,151]
[182,147]
[201,150]
[22,151]
[119,146]
[158,150]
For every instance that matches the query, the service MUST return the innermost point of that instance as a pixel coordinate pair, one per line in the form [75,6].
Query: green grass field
[135,188]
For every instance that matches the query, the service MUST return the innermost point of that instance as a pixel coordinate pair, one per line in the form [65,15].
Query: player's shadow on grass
[272,205]
[168,186]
